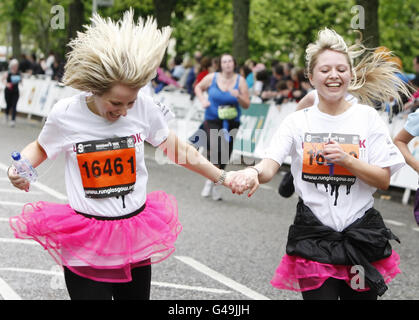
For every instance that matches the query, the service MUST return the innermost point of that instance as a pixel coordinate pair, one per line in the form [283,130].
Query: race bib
[107,167]
[315,167]
[227,112]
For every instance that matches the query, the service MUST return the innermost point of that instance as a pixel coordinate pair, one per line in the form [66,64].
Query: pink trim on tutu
[299,274]
[102,250]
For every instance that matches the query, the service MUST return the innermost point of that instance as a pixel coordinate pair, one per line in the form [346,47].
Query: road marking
[41,186]
[7,292]
[415,229]
[155,283]
[221,278]
[10,203]
[19,241]
[394,223]
[19,191]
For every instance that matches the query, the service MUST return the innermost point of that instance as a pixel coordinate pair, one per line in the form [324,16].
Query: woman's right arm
[202,86]
[401,141]
[35,154]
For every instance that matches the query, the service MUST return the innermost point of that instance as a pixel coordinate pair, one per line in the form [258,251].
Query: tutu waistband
[102,249]
[125,216]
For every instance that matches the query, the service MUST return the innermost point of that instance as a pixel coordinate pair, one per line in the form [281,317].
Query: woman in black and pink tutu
[341,150]
[111,230]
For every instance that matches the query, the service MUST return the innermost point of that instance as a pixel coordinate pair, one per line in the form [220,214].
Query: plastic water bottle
[23,167]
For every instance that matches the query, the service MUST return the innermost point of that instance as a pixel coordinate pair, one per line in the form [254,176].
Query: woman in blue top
[227,92]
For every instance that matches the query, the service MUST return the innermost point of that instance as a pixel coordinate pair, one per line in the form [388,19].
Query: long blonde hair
[374,77]
[111,52]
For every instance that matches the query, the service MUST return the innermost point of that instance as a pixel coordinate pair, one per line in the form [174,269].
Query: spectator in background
[49,63]
[178,69]
[11,93]
[25,65]
[250,79]
[277,75]
[259,81]
[203,70]
[190,79]
[36,66]
[215,65]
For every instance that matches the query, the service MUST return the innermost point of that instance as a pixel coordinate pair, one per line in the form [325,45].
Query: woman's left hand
[240,181]
[235,93]
[334,153]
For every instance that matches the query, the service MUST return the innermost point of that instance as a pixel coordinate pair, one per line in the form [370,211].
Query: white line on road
[394,223]
[8,293]
[10,203]
[221,278]
[19,191]
[155,283]
[41,186]
[19,241]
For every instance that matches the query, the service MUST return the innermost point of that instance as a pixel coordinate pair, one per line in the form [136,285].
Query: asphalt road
[227,250]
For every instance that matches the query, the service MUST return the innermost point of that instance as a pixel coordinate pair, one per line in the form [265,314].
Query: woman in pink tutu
[112,230]
[341,150]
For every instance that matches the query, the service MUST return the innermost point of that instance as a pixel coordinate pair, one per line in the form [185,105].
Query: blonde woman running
[338,245]
[111,230]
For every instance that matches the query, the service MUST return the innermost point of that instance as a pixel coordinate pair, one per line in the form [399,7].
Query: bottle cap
[16,156]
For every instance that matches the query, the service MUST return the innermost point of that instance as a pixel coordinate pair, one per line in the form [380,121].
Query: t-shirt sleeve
[382,151]
[51,137]
[282,142]
[158,117]
[412,123]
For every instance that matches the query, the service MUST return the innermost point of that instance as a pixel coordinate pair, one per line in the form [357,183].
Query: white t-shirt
[71,126]
[362,131]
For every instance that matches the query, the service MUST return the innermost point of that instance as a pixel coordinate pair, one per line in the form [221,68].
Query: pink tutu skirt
[102,250]
[299,274]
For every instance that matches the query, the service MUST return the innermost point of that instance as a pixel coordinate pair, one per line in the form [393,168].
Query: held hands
[240,181]
[16,180]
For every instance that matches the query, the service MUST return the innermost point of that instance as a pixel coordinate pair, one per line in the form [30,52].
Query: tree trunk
[75,19]
[16,43]
[241,10]
[163,11]
[16,25]
[371,34]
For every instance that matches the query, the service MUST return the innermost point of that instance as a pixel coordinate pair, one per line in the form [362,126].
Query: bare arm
[401,141]
[35,154]
[372,175]
[202,86]
[242,94]
[188,157]
[306,101]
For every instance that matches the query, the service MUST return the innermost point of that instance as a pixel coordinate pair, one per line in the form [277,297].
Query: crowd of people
[280,82]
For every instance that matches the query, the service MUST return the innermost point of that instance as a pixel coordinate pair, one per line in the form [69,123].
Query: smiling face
[331,75]
[114,103]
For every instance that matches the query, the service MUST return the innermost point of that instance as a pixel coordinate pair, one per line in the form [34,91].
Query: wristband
[221,179]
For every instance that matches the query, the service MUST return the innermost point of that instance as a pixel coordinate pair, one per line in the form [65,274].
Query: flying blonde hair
[109,52]
[374,76]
